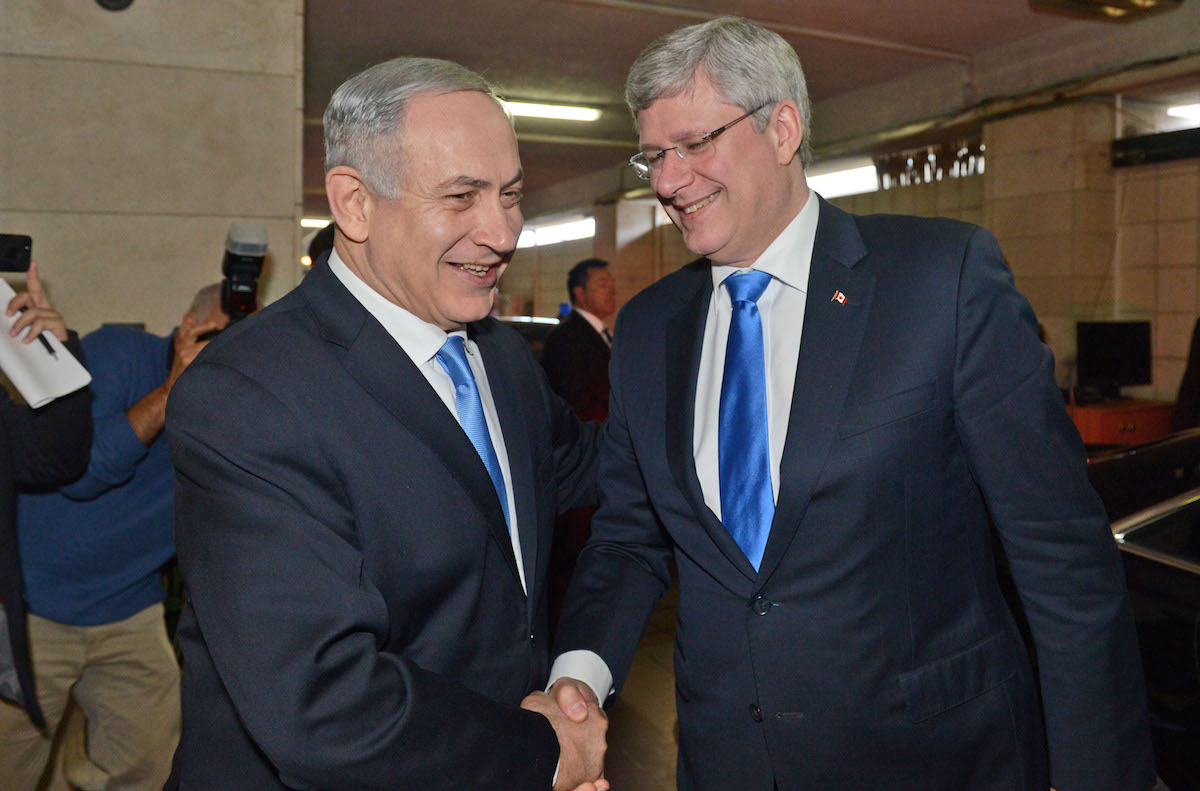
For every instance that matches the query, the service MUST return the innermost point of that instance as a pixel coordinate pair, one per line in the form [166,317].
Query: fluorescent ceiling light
[853,181]
[1188,111]
[571,230]
[314,222]
[560,112]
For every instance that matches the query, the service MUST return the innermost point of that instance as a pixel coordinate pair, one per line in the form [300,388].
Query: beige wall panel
[1039,255]
[1030,132]
[1138,196]
[1093,253]
[1032,172]
[1172,332]
[1179,196]
[1137,246]
[1094,212]
[117,138]
[1177,243]
[1137,292]
[1177,290]
[1049,296]
[1092,297]
[1094,123]
[1032,215]
[138,268]
[234,35]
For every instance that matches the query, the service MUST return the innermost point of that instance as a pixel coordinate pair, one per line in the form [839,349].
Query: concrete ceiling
[871,65]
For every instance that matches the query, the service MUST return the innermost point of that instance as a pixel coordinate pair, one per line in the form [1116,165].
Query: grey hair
[747,64]
[205,300]
[364,119]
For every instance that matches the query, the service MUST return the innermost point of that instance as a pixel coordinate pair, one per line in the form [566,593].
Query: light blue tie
[743,449]
[453,359]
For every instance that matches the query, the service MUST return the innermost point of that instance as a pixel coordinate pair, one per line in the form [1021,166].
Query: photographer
[91,553]
[38,448]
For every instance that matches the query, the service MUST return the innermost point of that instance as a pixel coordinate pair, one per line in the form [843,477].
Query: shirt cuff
[588,667]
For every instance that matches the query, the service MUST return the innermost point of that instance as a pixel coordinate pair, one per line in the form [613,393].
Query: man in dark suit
[368,473]
[816,421]
[576,354]
[575,357]
[39,449]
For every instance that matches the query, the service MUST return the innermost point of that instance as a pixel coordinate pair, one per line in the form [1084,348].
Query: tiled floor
[642,730]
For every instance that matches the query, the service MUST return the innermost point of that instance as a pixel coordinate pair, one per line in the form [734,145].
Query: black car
[1152,493]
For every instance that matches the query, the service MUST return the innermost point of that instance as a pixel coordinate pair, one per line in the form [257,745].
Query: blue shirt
[91,551]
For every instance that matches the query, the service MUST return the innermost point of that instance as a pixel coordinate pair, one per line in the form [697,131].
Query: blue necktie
[743,449]
[453,359]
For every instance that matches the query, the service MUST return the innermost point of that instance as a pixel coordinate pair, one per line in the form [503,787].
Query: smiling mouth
[698,205]
[479,270]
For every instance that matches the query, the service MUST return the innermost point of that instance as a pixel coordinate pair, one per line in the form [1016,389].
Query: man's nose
[674,174]
[499,228]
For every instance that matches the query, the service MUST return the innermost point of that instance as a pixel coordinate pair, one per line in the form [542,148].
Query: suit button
[762,605]
[755,712]
[531,635]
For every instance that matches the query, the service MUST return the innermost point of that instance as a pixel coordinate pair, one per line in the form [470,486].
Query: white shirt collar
[419,339]
[789,256]
[591,319]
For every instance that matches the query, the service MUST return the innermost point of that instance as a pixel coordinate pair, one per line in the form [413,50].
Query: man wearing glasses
[815,422]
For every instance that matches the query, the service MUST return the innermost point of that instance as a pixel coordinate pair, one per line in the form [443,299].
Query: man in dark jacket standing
[38,448]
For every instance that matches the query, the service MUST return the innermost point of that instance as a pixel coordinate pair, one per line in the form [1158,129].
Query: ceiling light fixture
[314,222]
[1188,111]
[564,231]
[851,181]
[558,112]
[1106,10]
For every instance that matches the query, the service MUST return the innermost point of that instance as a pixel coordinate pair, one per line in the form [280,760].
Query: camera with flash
[245,249]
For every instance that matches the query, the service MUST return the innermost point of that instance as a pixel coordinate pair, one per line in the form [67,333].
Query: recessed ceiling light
[559,112]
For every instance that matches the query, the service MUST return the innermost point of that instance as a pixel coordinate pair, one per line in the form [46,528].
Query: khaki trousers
[124,678]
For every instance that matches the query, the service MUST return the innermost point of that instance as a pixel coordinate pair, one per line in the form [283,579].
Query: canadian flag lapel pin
[839,298]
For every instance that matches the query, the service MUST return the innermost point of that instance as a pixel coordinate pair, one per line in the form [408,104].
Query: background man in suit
[575,357]
[816,420]
[368,474]
[576,354]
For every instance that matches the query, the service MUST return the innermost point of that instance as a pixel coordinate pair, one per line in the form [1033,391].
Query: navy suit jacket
[355,618]
[576,357]
[873,649]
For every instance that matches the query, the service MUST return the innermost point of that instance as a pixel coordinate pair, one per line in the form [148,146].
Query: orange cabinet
[1129,422]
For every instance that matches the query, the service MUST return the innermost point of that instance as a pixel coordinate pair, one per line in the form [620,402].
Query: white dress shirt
[421,341]
[788,259]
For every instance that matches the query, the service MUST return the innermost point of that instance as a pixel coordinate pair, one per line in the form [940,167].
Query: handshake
[580,725]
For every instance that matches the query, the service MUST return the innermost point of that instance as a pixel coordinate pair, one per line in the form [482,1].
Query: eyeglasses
[647,164]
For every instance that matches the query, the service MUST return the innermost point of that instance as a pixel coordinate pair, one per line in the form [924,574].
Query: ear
[349,202]
[788,131]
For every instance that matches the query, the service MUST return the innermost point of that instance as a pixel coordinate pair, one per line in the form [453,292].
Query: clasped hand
[580,725]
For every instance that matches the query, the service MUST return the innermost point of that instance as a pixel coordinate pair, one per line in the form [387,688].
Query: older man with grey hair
[368,475]
[816,421]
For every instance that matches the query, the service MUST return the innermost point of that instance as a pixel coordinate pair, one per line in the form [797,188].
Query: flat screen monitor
[1112,354]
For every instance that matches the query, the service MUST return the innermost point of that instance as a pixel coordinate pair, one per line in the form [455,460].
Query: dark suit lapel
[382,368]
[829,345]
[505,394]
[685,339]
[587,332]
